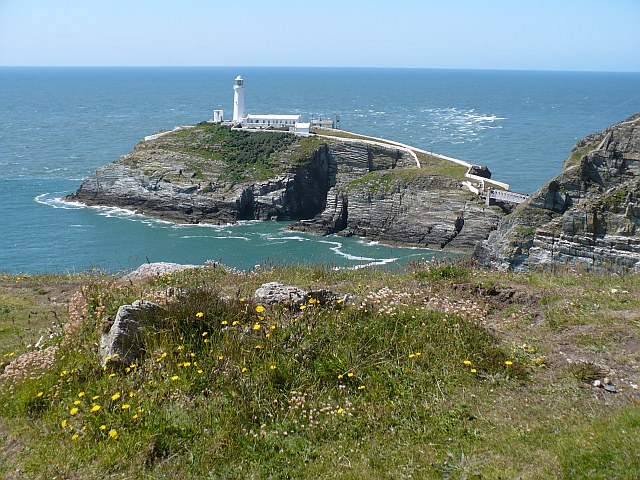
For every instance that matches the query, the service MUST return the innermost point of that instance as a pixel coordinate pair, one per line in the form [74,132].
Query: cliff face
[406,205]
[216,175]
[588,216]
[211,174]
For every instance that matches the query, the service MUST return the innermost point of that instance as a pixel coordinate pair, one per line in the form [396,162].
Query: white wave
[337,249]
[57,202]
[218,237]
[294,237]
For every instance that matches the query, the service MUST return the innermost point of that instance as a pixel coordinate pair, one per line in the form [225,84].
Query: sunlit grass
[398,376]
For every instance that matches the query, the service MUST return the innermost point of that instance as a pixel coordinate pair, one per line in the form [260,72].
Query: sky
[577,35]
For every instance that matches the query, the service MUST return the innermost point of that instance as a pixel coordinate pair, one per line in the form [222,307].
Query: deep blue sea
[57,125]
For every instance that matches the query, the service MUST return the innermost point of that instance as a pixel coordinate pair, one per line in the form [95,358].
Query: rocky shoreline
[587,217]
[327,186]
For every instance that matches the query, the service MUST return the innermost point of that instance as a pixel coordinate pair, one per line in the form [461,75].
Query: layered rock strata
[586,217]
[211,175]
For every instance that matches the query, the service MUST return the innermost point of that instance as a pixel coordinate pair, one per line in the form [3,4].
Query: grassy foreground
[439,371]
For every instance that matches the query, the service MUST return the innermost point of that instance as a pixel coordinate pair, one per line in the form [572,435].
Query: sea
[57,125]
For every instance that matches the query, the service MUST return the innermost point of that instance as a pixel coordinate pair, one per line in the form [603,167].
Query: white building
[218,116]
[274,121]
[292,123]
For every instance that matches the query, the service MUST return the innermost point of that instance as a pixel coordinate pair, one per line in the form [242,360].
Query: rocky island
[345,184]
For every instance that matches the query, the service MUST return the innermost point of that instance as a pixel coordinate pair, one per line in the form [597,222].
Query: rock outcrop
[586,217]
[123,343]
[212,174]
[406,205]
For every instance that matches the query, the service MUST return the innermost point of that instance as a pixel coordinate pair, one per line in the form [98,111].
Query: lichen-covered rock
[156,269]
[123,343]
[278,293]
[586,217]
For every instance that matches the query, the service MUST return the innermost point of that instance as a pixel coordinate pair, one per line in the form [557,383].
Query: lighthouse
[238,99]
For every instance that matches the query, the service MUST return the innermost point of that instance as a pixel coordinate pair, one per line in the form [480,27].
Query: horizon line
[541,70]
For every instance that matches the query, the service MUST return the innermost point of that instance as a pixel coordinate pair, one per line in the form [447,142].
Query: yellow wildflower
[199,370]
[467,362]
[103,427]
[39,394]
[206,340]
[339,301]
[508,363]
[64,423]
[73,411]
[126,406]
[77,402]
[350,374]
[256,326]
[411,355]
[473,370]
[340,410]
[113,433]
[220,357]
[361,387]
[258,347]
[74,436]
[272,367]
[224,322]
[200,314]
[272,327]
[259,309]
[175,377]
[115,396]
[95,408]
[111,375]
[235,322]
[204,334]
[244,369]
[81,394]
[302,307]
[340,376]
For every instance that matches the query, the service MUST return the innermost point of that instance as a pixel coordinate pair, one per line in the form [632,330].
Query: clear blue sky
[595,35]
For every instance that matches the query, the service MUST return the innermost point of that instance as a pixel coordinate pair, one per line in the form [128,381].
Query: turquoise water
[59,125]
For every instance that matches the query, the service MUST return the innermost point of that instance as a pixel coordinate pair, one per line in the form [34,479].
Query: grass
[344,134]
[384,180]
[428,372]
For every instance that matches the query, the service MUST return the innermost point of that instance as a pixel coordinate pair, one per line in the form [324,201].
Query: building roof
[274,117]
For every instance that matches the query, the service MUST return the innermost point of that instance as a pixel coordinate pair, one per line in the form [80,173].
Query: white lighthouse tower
[238,99]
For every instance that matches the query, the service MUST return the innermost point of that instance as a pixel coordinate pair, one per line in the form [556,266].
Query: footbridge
[508,196]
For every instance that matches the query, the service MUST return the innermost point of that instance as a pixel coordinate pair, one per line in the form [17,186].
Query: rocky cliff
[210,173]
[588,216]
[415,206]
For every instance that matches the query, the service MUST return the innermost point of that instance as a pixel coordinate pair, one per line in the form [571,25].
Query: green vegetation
[434,371]
[576,156]
[344,134]
[247,155]
[444,168]
[382,181]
